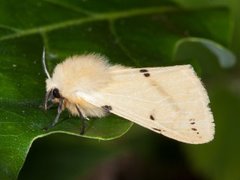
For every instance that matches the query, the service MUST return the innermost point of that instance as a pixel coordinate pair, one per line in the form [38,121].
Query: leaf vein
[70,7]
[80,21]
[120,44]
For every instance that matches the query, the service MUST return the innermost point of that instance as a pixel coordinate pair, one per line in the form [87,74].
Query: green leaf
[204,52]
[234,4]
[132,33]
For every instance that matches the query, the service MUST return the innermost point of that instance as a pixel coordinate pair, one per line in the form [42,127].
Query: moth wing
[169,100]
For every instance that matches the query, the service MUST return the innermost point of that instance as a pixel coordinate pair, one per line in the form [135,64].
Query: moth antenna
[44,63]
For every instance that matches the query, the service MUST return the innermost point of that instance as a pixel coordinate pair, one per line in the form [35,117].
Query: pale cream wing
[168,100]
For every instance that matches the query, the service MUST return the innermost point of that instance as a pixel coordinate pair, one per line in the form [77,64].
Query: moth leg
[83,118]
[48,97]
[56,120]
[50,106]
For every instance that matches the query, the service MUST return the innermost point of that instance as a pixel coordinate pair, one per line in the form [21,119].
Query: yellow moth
[168,100]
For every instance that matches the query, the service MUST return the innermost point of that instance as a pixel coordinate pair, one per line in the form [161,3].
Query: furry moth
[168,100]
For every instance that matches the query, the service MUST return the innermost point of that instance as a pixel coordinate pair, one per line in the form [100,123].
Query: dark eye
[56,93]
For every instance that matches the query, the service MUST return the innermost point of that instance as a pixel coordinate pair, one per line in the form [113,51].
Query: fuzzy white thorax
[81,75]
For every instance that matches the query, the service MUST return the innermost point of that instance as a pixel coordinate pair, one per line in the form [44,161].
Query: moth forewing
[169,100]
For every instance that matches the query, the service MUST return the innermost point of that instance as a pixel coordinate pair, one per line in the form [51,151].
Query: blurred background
[147,39]
[140,154]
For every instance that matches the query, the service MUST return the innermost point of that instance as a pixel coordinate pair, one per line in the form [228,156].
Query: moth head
[53,94]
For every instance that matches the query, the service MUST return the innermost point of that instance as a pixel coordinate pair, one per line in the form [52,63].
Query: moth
[167,100]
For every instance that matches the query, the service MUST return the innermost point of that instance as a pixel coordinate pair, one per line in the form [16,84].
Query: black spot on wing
[143,70]
[152,117]
[107,108]
[156,129]
[146,74]
[192,121]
